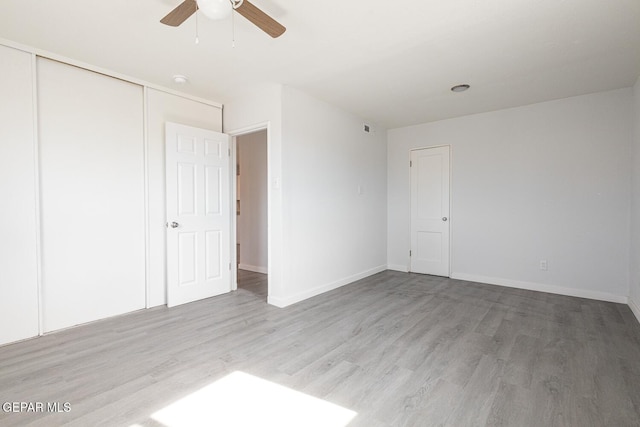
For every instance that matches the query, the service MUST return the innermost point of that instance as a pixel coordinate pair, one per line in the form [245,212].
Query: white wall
[18,209]
[334,233]
[322,232]
[634,265]
[545,181]
[252,193]
[163,107]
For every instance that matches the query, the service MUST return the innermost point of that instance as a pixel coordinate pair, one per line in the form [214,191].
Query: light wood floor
[399,349]
[256,283]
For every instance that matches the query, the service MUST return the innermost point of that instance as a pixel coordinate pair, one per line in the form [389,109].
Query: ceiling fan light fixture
[460,88]
[215,9]
[220,9]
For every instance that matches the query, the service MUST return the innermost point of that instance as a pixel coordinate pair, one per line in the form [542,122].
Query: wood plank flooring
[256,283]
[398,349]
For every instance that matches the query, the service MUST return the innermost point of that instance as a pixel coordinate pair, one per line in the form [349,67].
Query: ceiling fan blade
[260,19]
[180,14]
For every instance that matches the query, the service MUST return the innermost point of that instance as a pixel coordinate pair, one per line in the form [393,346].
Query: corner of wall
[288,300]
[635,308]
[398,267]
[634,258]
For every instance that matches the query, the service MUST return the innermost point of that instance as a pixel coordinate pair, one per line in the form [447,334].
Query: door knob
[174,224]
[444,218]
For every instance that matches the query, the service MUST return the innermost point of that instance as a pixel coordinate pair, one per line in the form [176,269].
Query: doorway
[252,212]
[429,253]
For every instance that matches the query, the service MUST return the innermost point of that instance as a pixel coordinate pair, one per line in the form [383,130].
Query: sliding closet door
[92,195]
[18,251]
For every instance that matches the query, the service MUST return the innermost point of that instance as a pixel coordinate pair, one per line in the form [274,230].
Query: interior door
[91,158]
[198,214]
[430,211]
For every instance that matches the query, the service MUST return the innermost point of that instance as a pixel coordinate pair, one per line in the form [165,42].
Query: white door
[198,214]
[430,211]
[91,158]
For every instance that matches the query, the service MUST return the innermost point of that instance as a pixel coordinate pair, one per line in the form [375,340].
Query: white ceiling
[391,63]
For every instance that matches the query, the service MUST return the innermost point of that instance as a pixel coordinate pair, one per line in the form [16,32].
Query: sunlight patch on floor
[240,399]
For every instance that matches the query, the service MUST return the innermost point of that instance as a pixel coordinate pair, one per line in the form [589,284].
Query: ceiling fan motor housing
[215,9]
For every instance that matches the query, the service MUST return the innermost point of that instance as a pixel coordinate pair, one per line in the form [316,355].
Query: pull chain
[233,30]
[197,38]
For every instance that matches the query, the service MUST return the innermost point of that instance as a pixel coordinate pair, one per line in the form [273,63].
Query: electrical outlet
[543,264]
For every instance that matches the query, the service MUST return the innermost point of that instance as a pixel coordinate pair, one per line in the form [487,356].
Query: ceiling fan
[219,9]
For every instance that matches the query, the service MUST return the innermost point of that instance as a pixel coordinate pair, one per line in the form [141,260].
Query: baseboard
[253,268]
[286,301]
[398,267]
[541,287]
[635,308]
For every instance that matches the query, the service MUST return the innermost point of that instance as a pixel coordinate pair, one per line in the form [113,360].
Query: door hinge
[410,163]
[409,252]
[229,151]
[229,266]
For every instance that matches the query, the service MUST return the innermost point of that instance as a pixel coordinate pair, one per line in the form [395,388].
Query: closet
[82,191]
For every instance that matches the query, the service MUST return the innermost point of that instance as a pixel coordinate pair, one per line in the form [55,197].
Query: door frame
[451,215]
[234,134]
